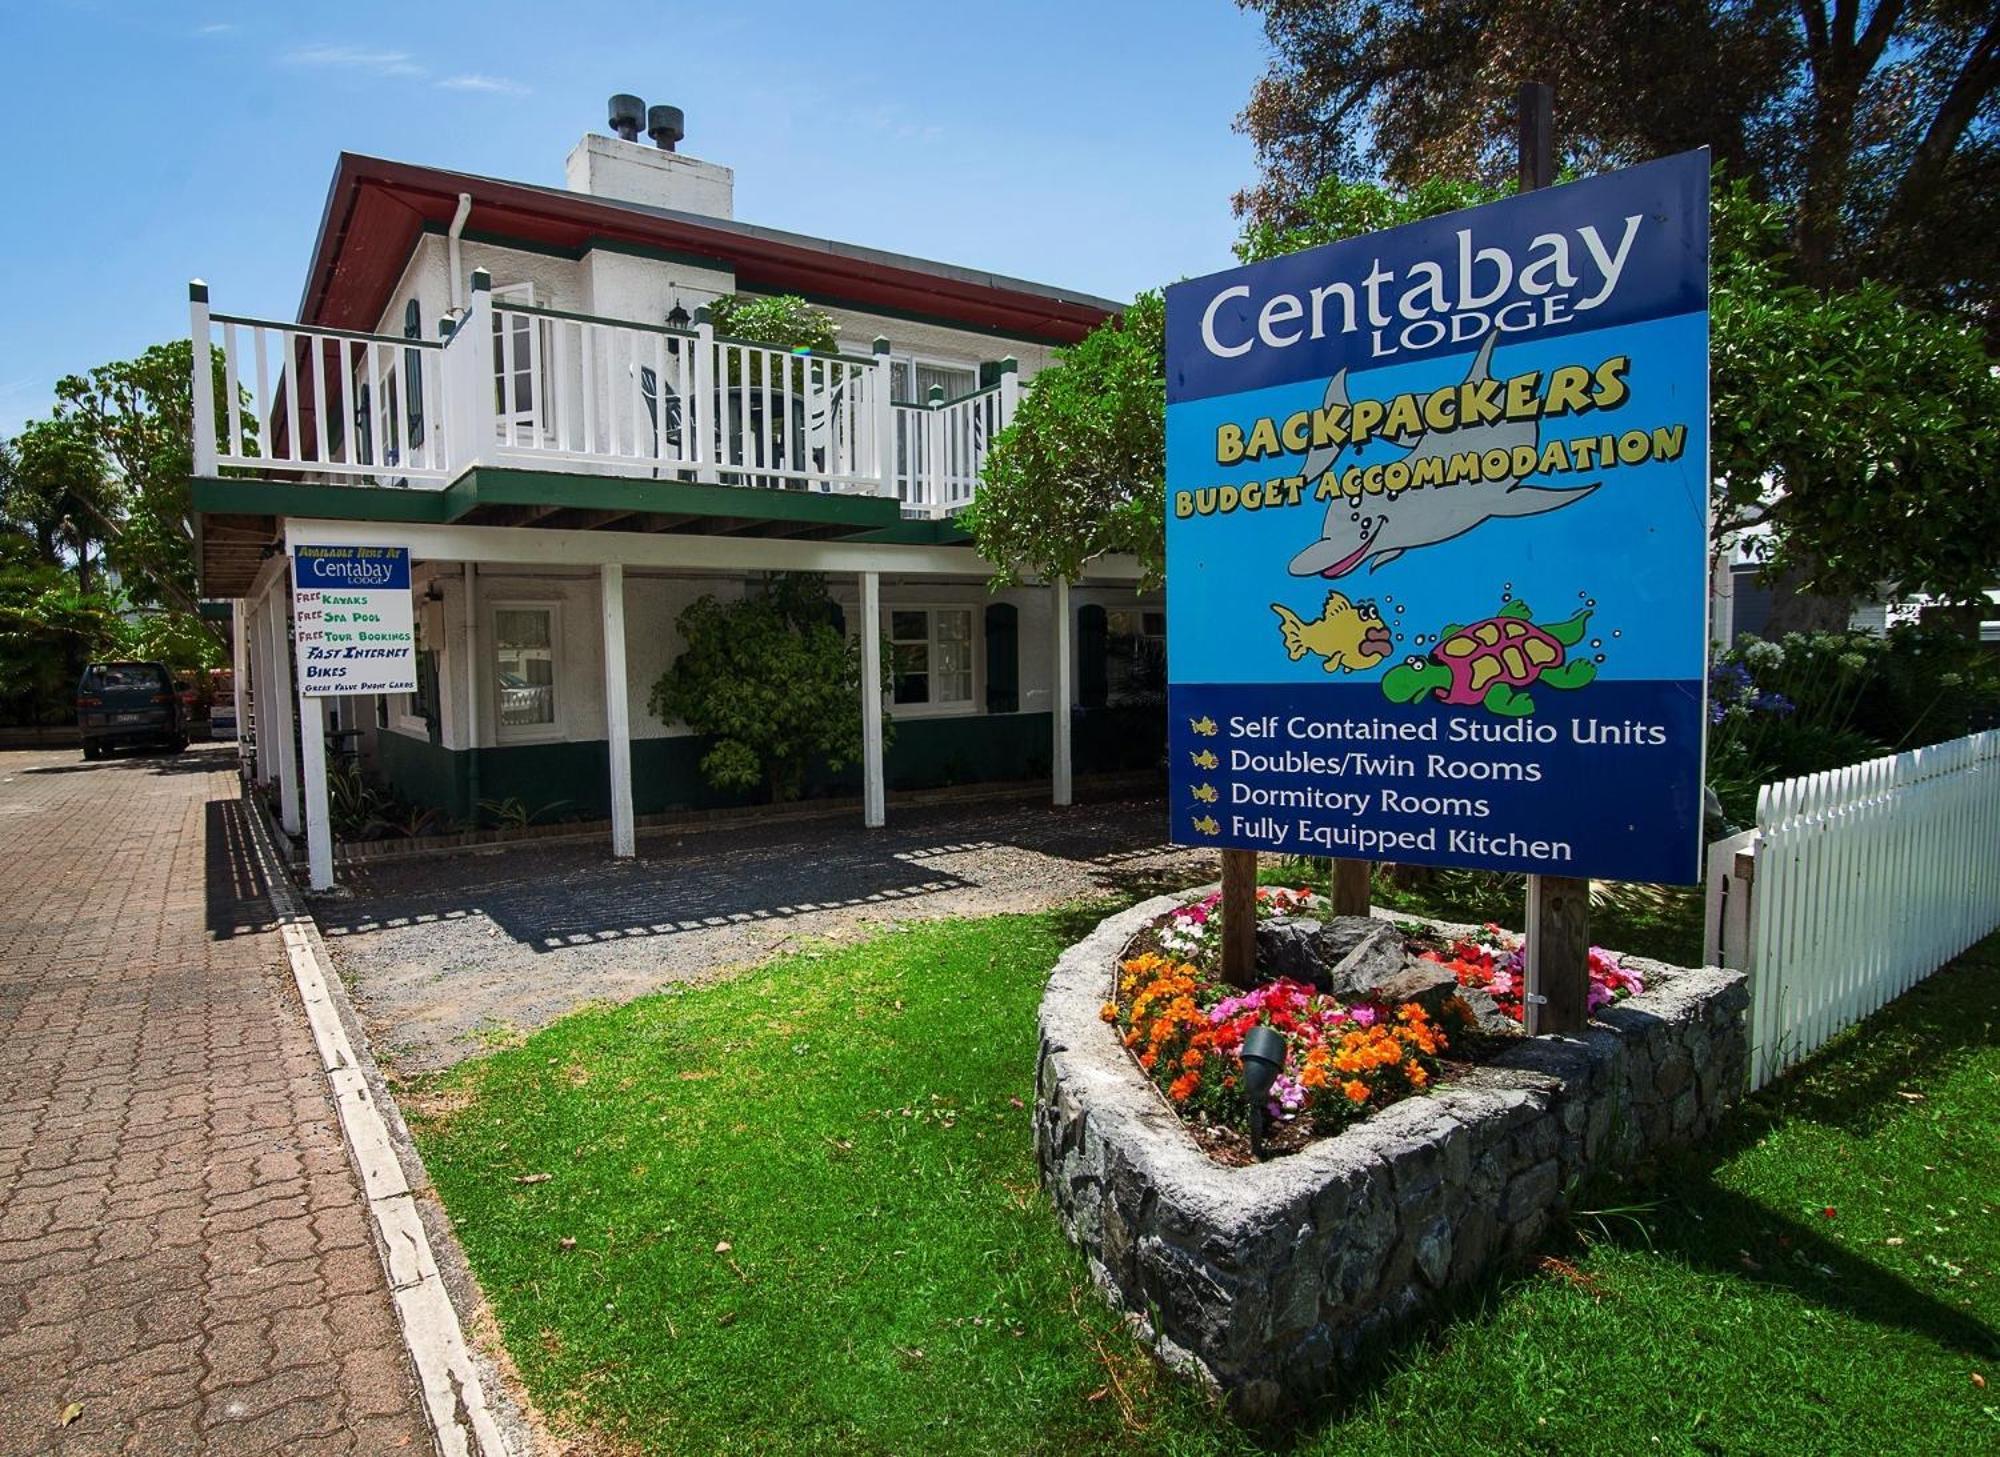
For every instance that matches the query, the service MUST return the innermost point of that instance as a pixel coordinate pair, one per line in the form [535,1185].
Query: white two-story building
[520,384]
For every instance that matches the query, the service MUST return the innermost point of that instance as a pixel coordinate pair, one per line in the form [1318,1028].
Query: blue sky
[1087,145]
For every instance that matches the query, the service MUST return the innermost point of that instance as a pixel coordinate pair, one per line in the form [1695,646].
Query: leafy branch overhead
[1859,430]
[1080,472]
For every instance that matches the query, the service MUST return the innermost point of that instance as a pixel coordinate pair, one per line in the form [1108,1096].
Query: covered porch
[609,596]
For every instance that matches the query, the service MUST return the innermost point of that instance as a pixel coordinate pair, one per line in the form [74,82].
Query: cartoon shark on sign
[1380,529]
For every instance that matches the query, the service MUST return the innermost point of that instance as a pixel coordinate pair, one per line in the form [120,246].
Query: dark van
[129,703]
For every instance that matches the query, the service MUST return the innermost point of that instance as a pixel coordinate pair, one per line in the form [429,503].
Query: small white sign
[353,620]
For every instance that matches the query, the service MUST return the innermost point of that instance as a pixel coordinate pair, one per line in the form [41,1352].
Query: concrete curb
[453,1380]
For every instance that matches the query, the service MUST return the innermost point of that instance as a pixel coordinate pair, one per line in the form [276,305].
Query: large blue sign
[1437,525]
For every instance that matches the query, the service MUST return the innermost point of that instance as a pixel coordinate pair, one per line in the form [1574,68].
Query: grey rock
[1486,1014]
[1358,962]
[1434,1252]
[1288,946]
[1429,985]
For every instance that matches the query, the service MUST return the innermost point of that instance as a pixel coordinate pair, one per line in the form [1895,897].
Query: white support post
[874,811]
[705,408]
[617,710]
[1010,390]
[475,701]
[319,830]
[203,382]
[281,704]
[260,689]
[1064,689]
[239,666]
[471,387]
[933,494]
[884,413]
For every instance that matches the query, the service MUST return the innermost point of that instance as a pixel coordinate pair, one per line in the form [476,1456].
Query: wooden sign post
[1239,917]
[1350,887]
[1557,995]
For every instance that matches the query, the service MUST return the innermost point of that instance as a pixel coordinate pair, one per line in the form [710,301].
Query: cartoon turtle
[1491,661]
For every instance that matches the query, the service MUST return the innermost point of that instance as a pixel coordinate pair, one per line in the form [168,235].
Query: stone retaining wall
[1263,1281]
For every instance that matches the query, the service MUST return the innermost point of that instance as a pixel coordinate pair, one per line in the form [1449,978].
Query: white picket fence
[1856,884]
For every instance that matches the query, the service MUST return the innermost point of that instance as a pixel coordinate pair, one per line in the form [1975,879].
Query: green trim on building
[491,486]
[575,255]
[571,780]
[946,532]
[914,316]
[245,496]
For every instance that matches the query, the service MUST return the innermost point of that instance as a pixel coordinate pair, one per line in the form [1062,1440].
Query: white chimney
[623,169]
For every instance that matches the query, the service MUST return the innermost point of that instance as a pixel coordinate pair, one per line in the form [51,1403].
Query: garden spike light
[1263,1059]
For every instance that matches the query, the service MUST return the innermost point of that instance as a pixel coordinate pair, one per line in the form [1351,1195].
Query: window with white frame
[911,378]
[515,355]
[930,655]
[525,644]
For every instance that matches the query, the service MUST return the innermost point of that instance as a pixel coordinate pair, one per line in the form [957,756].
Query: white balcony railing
[516,385]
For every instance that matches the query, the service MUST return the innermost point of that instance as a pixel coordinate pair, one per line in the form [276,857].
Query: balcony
[535,388]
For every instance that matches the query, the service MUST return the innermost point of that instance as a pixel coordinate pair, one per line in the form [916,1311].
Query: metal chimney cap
[628,114]
[666,125]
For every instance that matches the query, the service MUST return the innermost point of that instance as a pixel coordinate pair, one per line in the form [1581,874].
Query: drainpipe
[451,240]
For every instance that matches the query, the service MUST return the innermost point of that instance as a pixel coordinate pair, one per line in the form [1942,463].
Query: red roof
[376,210]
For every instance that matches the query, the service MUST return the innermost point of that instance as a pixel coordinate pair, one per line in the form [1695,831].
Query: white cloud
[399,64]
[220,27]
[473,81]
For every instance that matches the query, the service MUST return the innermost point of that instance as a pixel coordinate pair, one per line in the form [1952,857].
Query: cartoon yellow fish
[1346,635]
[1204,792]
[1205,726]
[1207,825]
[1205,759]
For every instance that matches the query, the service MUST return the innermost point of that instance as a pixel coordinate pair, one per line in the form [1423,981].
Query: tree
[1860,431]
[1864,433]
[50,626]
[54,486]
[1875,124]
[773,680]
[1081,470]
[784,321]
[139,416]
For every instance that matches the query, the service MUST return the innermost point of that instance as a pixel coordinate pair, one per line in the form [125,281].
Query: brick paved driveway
[183,1249]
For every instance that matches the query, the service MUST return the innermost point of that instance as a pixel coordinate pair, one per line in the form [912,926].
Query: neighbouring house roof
[376,210]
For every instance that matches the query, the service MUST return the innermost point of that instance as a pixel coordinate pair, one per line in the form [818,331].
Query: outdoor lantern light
[1263,1060]
[677,317]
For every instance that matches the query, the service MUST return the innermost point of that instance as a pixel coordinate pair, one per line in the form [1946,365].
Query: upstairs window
[516,358]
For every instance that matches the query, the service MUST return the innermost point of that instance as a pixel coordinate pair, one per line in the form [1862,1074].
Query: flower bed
[1494,961]
[1263,1280]
[1345,1057]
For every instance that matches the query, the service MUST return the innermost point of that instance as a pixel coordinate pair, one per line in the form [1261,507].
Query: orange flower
[1183,1086]
[1414,1071]
[1356,1091]
[1108,1012]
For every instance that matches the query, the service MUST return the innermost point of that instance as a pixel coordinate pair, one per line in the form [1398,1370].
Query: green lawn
[804,1217]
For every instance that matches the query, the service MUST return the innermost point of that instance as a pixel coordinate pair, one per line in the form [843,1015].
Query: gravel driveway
[446,956]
